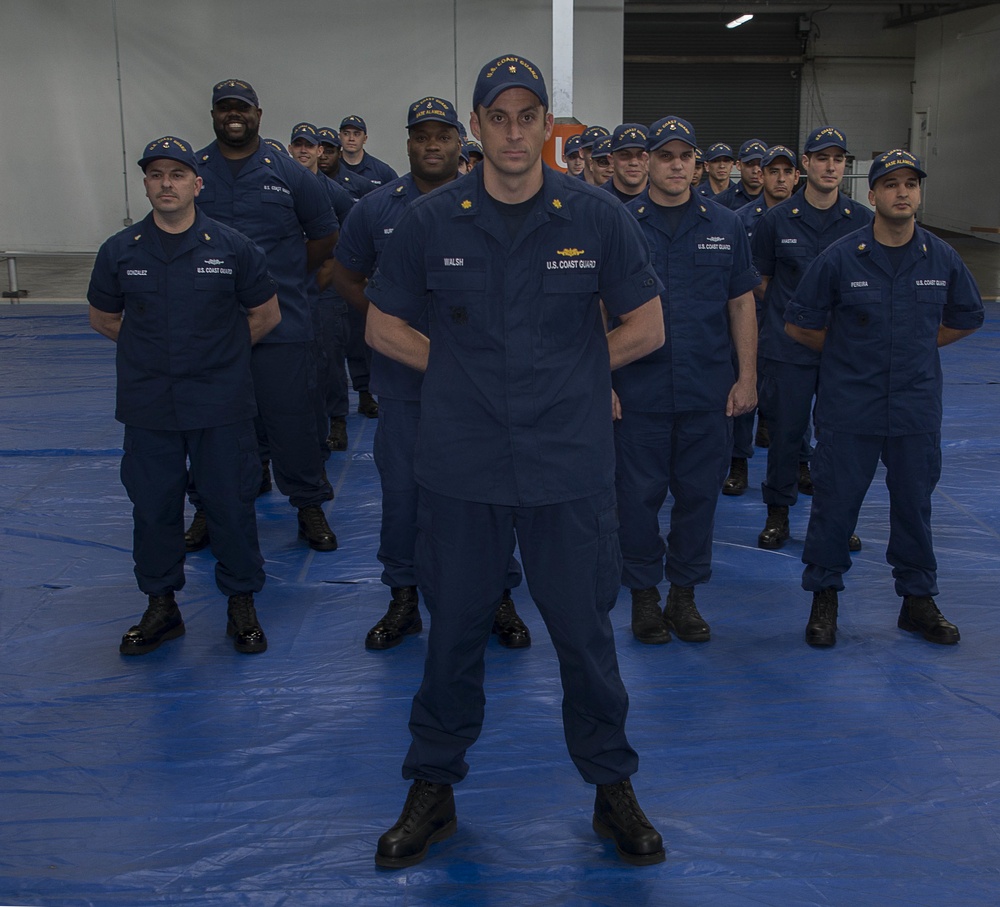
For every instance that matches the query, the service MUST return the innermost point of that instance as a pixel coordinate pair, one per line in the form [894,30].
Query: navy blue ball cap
[776,151]
[602,147]
[699,156]
[171,148]
[591,134]
[432,110]
[354,122]
[719,150]
[629,135]
[234,88]
[888,161]
[328,136]
[752,150]
[825,137]
[505,72]
[305,131]
[474,148]
[667,130]
[572,145]
[276,145]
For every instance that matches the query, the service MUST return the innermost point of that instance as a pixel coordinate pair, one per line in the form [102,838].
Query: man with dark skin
[274,201]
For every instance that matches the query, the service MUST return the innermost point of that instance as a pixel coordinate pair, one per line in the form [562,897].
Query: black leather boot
[196,536]
[162,621]
[243,626]
[822,627]
[402,619]
[775,532]
[681,615]
[919,614]
[428,816]
[617,815]
[738,478]
[648,625]
[511,631]
[314,528]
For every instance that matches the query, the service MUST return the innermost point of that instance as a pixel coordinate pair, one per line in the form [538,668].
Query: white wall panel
[61,167]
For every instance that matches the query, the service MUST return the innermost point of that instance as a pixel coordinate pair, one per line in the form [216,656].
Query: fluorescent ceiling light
[746,17]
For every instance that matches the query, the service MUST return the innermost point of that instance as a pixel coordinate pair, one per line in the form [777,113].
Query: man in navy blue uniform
[573,156]
[786,241]
[780,178]
[512,262]
[588,138]
[875,307]
[329,162]
[748,187]
[169,292]
[678,403]
[719,161]
[328,311]
[628,158]
[353,136]
[432,125]
[281,206]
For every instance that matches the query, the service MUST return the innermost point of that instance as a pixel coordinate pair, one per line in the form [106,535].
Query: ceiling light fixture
[736,23]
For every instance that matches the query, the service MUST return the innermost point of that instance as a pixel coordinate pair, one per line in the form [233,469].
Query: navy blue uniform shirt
[279,204]
[515,407]
[353,183]
[786,241]
[880,371]
[372,169]
[183,357]
[361,242]
[702,266]
[736,196]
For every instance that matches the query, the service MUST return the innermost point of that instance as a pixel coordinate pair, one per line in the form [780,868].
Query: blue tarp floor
[867,774]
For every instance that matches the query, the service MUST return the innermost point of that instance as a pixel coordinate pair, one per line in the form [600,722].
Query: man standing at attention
[512,262]
[171,292]
[876,307]
[353,136]
[274,201]
[678,403]
[787,239]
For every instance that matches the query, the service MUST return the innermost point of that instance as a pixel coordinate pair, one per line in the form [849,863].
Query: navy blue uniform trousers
[686,454]
[225,466]
[359,355]
[843,468]
[786,397]
[572,563]
[393,447]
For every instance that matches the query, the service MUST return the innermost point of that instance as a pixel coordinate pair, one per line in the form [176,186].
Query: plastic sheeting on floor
[778,774]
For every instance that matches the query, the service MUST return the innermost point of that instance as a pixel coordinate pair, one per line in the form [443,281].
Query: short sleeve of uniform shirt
[356,248]
[254,285]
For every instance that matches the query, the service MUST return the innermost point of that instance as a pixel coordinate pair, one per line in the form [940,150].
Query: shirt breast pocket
[930,307]
[859,315]
[566,306]
[141,292]
[792,257]
[281,197]
[460,304]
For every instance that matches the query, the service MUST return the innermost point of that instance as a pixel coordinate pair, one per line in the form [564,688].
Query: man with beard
[282,207]
[876,307]
[432,148]
[184,297]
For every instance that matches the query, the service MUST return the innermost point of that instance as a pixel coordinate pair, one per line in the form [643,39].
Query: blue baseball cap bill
[474,148]
[667,130]
[887,162]
[719,150]
[432,110]
[234,88]
[629,135]
[172,149]
[825,137]
[305,131]
[505,72]
[328,136]
[591,134]
[276,145]
[776,151]
[354,122]
[602,147]
[752,150]
[572,145]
